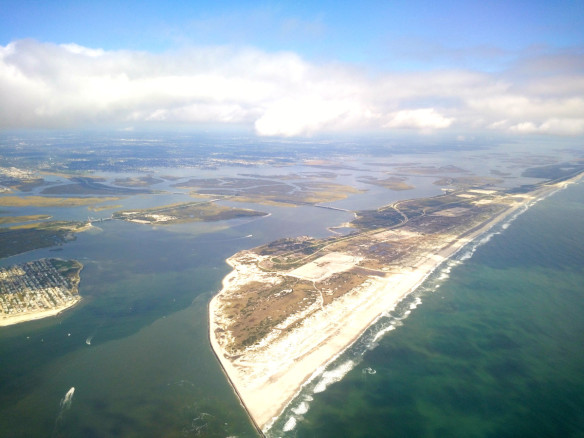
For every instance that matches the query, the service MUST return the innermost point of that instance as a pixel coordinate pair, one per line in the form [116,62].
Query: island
[275,190]
[28,237]
[290,307]
[205,211]
[38,289]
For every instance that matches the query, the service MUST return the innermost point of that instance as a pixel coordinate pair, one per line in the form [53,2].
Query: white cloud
[80,50]
[556,126]
[308,115]
[48,85]
[424,118]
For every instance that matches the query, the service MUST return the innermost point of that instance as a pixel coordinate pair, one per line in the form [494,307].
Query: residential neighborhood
[36,286]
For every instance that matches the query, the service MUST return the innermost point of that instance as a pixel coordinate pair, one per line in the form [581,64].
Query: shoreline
[214,348]
[33,316]
[270,380]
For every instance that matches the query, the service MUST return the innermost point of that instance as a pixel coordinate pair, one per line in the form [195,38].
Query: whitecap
[330,377]
[382,332]
[416,303]
[302,408]
[467,255]
[444,275]
[290,424]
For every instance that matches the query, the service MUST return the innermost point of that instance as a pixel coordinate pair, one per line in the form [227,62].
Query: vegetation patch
[392,183]
[185,212]
[554,171]
[90,186]
[19,239]
[468,181]
[18,219]
[46,201]
[137,181]
[269,192]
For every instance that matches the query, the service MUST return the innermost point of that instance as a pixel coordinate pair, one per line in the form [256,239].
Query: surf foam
[332,376]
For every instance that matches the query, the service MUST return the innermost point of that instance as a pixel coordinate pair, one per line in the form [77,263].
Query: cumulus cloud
[574,126]
[278,94]
[423,118]
[295,116]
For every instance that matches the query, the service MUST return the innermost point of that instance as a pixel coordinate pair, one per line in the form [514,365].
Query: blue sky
[347,31]
[527,53]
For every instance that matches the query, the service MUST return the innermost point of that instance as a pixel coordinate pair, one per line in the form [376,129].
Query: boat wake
[68,399]
[64,405]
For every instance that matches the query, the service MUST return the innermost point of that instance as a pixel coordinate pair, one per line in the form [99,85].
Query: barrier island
[289,307]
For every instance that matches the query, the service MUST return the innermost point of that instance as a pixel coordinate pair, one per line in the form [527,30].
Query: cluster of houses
[33,286]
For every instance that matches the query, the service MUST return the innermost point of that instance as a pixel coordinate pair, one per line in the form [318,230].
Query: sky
[290,69]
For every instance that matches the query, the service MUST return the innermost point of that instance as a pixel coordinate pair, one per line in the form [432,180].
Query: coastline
[268,381]
[215,348]
[33,316]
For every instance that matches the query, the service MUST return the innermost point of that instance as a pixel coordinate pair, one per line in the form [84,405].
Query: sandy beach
[267,377]
[32,316]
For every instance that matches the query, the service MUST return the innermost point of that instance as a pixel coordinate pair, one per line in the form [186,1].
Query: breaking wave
[332,376]
[322,382]
[382,332]
[302,408]
[290,424]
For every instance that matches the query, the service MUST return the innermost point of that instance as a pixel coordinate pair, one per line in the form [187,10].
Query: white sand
[325,266]
[40,314]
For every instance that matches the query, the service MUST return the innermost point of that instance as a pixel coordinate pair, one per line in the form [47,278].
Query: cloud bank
[279,94]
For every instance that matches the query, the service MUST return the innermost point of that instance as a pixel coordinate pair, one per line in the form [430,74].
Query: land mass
[90,186]
[38,289]
[271,191]
[27,237]
[207,211]
[45,201]
[289,307]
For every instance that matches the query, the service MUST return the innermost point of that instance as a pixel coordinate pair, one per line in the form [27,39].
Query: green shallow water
[148,369]
[497,350]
